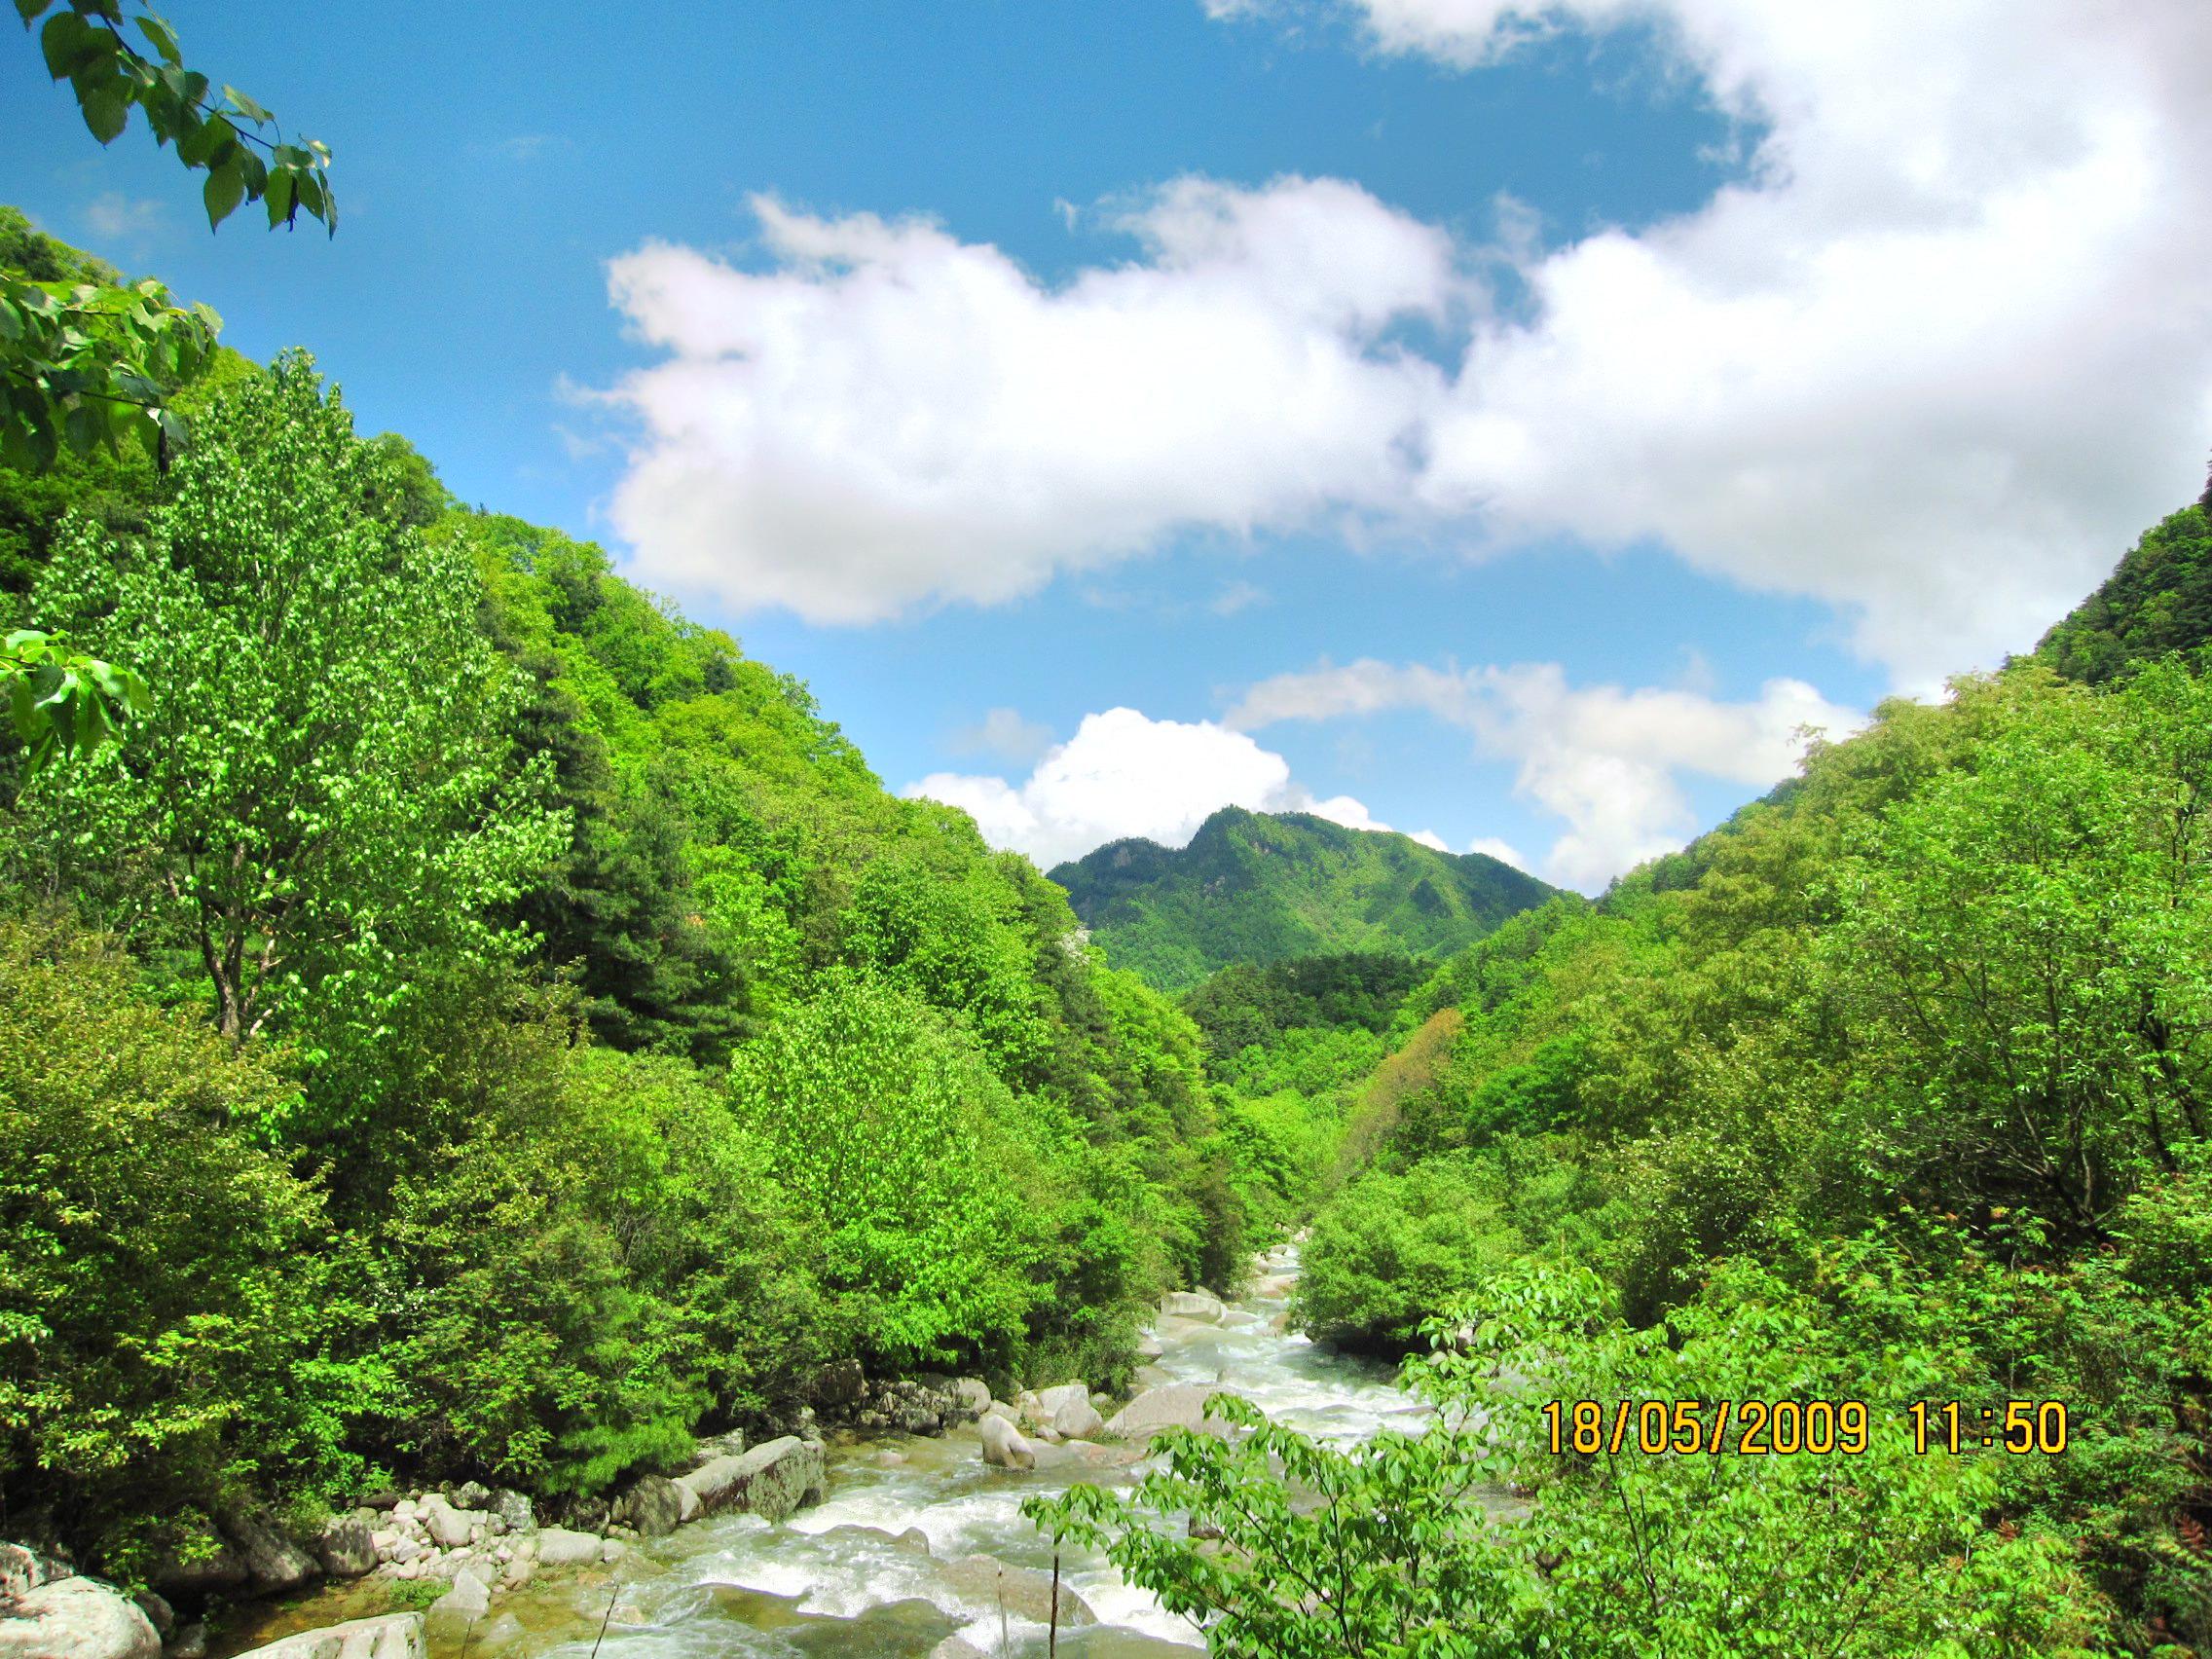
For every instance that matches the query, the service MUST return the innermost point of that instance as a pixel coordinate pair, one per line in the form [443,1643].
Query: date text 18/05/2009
[1757,1429]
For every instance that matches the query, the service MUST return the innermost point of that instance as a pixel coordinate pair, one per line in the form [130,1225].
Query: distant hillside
[2159,599]
[1263,887]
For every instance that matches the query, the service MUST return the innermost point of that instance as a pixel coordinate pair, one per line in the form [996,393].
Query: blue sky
[1640,389]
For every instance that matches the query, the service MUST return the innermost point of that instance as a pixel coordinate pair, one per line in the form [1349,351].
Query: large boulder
[838,1386]
[1025,1592]
[1201,1306]
[20,1572]
[1178,1405]
[653,1504]
[78,1618]
[1051,1400]
[192,1559]
[468,1600]
[974,1395]
[452,1529]
[345,1545]
[393,1636]
[557,1546]
[1077,1419]
[274,1564]
[513,1508]
[1003,1444]
[773,1480]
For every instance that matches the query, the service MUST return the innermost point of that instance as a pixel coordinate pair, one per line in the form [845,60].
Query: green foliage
[297,811]
[598,1258]
[84,43]
[1922,1037]
[61,702]
[1285,1546]
[163,1275]
[2158,601]
[1258,888]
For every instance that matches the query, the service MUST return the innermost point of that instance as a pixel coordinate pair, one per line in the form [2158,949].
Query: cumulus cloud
[1934,358]
[891,416]
[1125,774]
[1005,734]
[1605,760]
[1937,358]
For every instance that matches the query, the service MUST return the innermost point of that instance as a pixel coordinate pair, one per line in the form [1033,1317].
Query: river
[834,1579]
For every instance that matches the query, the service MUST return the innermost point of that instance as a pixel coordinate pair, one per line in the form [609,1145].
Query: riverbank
[918,1538]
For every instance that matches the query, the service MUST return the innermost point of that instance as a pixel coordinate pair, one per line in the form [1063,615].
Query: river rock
[468,1600]
[471,1494]
[346,1547]
[274,1564]
[1201,1306]
[730,1445]
[20,1572]
[1274,1286]
[557,1546]
[1051,1400]
[974,1395]
[1178,1405]
[78,1618]
[1004,1446]
[653,1504]
[957,1648]
[449,1529]
[513,1508]
[1150,1346]
[1077,1419]
[1025,1592]
[158,1613]
[191,1643]
[772,1479]
[838,1386]
[193,1559]
[394,1636]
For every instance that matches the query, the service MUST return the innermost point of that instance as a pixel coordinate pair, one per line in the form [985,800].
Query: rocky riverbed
[894,1531]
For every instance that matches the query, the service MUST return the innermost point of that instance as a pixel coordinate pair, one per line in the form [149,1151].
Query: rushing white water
[836,1581]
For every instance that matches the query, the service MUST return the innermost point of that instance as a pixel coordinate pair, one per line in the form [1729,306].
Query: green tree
[324,790]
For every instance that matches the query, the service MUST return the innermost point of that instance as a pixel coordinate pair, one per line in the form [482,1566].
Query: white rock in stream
[1178,1405]
[1051,1400]
[1197,1304]
[1077,1419]
[1003,1444]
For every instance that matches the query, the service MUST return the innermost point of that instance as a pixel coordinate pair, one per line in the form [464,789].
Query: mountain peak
[1263,887]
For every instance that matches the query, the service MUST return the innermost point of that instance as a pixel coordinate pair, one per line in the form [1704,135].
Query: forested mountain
[481,1024]
[1888,1104]
[2160,600]
[1260,887]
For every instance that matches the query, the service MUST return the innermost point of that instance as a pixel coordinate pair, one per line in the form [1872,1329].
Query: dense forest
[1259,887]
[480,1024]
[1893,1089]
[476,1023]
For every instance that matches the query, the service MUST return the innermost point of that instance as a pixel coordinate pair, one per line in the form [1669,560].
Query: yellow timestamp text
[1759,1428]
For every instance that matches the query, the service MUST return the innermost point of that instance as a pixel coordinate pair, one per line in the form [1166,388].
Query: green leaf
[202,145]
[160,37]
[279,196]
[107,111]
[247,107]
[30,10]
[224,190]
[63,41]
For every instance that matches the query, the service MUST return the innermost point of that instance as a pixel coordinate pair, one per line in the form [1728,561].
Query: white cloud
[117,217]
[1004,733]
[1125,774]
[1934,359]
[1603,759]
[1431,838]
[891,416]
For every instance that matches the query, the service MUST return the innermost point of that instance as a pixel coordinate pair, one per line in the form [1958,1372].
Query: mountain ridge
[1258,886]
